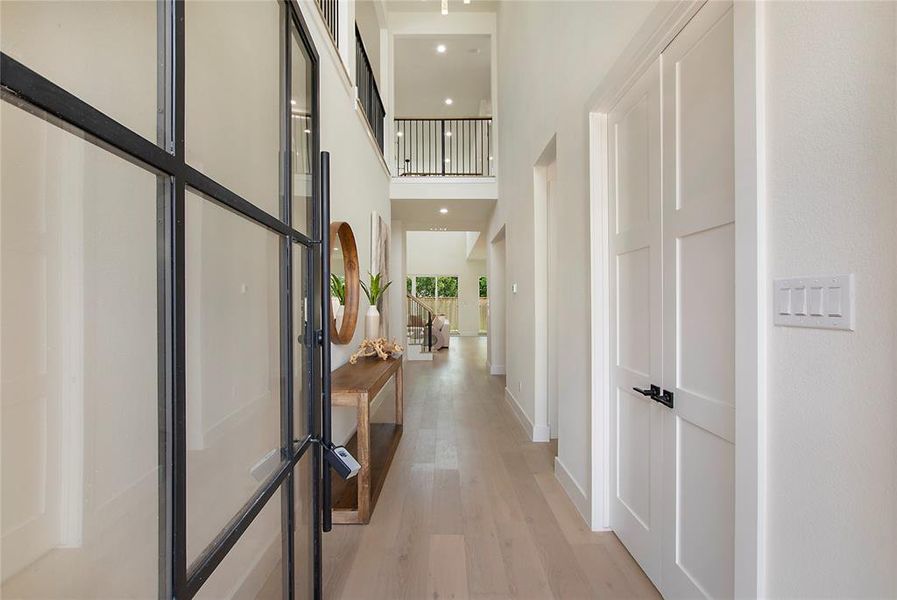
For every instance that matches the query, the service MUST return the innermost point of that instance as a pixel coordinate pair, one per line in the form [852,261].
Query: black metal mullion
[287,507]
[176,330]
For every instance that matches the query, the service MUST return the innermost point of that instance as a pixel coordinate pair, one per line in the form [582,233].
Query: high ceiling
[424,78]
[435,6]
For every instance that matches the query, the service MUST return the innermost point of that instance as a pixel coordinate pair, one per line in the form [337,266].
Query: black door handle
[653,392]
[666,398]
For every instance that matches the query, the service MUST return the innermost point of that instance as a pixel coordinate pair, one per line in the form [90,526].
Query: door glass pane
[78,390]
[300,304]
[102,52]
[233,365]
[303,572]
[232,96]
[301,108]
[252,569]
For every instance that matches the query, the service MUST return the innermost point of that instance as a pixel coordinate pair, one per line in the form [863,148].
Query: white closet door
[634,145]
[699,308]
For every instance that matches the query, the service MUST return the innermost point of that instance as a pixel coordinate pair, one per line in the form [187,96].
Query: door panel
[160,307]
[635,211]
[699,308]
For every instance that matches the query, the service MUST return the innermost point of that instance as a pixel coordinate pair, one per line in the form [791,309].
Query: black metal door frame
[34,93]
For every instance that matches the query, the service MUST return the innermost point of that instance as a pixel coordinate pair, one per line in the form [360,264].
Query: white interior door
[634,145]
[699,308]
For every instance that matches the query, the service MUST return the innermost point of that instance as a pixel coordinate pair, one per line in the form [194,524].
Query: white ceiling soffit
[435,6]
[462,215]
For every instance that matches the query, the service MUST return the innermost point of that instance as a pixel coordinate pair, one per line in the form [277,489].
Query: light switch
[824,302]
[783,301]
[814,301]
[799,301]
[833,302]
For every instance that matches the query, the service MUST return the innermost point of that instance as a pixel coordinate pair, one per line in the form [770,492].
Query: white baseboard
[496,369]
[576,494]
[536,433]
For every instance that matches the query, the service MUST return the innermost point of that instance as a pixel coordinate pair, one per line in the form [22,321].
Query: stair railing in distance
[420,323]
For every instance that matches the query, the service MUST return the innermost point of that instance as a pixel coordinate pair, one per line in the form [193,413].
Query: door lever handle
[666,398]
[653,392]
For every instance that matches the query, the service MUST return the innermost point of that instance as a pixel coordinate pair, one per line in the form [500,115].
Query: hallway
[470,507]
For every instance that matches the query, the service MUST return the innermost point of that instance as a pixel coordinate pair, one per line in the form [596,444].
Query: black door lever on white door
[653,392]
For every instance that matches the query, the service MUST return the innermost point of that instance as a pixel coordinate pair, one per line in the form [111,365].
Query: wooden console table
[374,444]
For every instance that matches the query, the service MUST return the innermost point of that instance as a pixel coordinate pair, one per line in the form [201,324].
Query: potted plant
[337,297]
[374,291]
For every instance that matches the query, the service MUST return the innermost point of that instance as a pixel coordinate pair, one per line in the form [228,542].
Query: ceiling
[455,6]
[424,215]
[424,78]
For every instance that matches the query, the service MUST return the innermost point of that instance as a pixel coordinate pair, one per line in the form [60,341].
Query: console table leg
[364,458]
[400,395]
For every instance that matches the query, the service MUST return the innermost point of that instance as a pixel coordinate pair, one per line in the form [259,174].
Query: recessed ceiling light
[440,48]
[448,134]
[448,101]
[447,161]
[399,134]
[308,131]
[293,102]
[490,158]
[443,211]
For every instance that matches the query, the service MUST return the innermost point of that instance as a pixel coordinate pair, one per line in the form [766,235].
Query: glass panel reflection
[301,107]
[78,390]
[233,365]
[253,568]
[102,52]
[232,96]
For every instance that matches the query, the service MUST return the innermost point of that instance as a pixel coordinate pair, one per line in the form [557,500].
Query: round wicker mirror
[344,288]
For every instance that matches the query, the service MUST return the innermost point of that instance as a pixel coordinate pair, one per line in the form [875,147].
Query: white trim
[573,490]
[359,110]
[751,284]
[599,318]
[661,27]
[324,32]
[496,369]
[535,433]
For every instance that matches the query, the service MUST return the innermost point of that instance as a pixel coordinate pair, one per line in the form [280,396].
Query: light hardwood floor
[471,508]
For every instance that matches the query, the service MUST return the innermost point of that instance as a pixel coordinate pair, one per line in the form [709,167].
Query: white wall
[445,253]
[397,301]
[359,181]
[832,413]
[567,47]
[496,341]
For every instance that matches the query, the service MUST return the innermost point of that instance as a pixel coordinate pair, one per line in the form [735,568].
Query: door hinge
[319,337]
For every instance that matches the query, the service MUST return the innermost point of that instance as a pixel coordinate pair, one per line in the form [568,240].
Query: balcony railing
[456,147]
[330,12]
[368,94]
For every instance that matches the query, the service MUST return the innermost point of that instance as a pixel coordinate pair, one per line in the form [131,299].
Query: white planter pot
[336,310]
[372,323]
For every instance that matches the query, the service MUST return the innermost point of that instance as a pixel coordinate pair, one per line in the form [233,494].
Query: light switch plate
[822,302]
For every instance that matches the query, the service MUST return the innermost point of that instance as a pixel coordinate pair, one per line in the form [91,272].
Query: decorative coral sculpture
[380,347]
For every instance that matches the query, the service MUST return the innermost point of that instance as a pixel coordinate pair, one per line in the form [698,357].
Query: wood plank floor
[471,508]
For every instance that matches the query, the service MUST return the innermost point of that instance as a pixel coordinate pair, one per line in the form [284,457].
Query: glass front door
[160,301]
